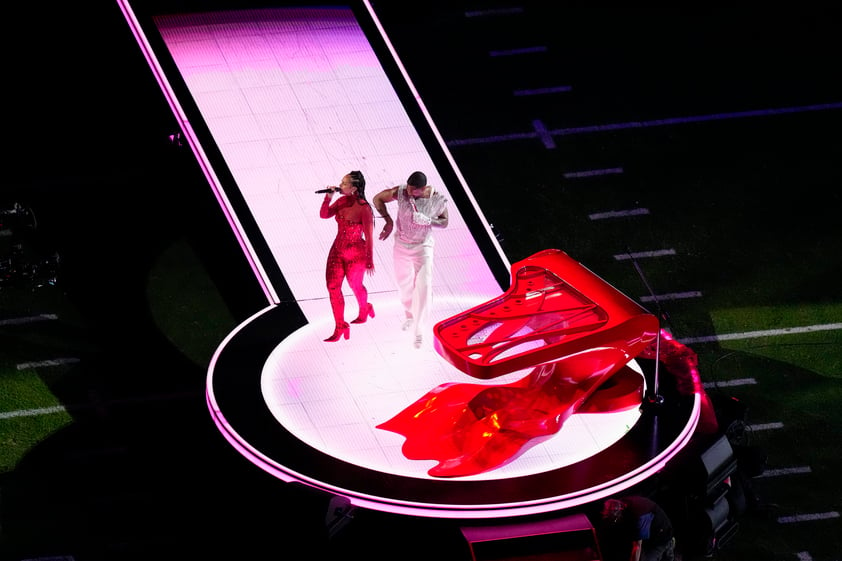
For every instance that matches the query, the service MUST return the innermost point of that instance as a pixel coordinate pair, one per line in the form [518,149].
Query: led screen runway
[277,103]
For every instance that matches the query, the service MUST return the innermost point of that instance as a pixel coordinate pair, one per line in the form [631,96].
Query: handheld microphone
[328,190]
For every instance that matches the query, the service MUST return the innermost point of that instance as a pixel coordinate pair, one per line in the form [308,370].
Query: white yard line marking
[609,127]
[765,333]
[61,408]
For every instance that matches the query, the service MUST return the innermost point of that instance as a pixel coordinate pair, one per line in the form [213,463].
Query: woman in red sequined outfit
[351,254]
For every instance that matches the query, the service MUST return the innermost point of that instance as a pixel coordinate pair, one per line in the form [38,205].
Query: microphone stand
[656,398]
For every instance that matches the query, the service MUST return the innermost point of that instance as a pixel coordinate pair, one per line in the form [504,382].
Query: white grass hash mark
[656,253]
[808,517]
[30,319]
[592,172]
[33,412]
[46,363]
[672,296]
[766,426]
[730,383]
[784,471]
[618,213]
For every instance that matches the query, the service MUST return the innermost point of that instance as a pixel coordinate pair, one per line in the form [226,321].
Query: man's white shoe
[407,323]
[417,341]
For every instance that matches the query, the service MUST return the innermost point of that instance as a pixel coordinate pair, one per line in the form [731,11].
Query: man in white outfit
[420,209]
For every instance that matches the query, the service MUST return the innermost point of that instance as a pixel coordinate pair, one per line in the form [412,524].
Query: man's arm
[441,220]
[379,202]
[644,525]
[636,549]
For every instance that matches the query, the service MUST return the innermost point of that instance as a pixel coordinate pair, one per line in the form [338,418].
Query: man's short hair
[612,510]
[417,179]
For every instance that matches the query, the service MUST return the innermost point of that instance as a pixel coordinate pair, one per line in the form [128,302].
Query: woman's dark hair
[417,179]
[358,181]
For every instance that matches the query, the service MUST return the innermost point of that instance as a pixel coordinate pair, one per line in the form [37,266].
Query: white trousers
[414,276]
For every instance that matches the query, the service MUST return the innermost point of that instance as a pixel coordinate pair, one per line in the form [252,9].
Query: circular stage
[308,412]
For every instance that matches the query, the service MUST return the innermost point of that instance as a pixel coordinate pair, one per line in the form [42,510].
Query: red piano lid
[555,307]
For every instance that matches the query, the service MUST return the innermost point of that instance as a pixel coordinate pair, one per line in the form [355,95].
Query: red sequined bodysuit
[349,253]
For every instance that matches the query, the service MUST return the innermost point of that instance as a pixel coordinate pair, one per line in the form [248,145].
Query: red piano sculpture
[571,332]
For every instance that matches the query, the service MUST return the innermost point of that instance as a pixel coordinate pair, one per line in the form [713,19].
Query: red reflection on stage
[573,330]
